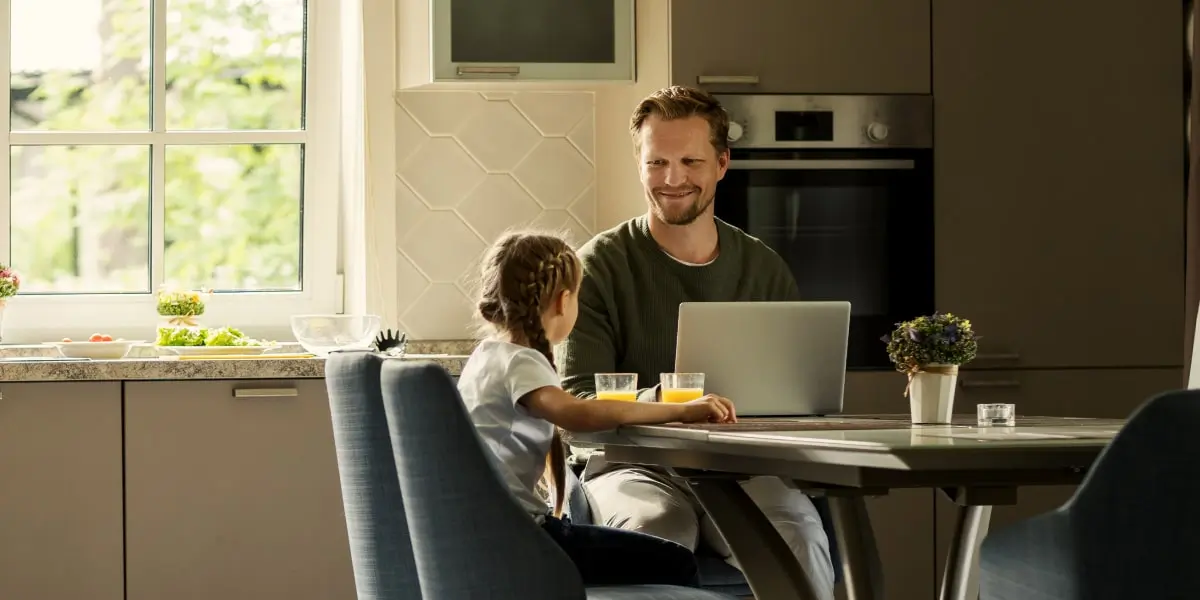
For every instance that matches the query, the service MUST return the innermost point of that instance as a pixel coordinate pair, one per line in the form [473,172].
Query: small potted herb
[181,308]
[10,284]
[930,349]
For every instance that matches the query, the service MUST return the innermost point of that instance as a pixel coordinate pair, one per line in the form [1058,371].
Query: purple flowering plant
[940,338]
[10,282]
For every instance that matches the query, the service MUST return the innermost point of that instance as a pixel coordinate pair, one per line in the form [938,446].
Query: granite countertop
[143,364]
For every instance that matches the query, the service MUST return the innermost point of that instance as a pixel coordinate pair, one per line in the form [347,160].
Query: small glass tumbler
[681,387]
[996,415]
[616,386]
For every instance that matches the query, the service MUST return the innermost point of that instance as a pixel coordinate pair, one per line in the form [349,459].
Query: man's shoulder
[613,245]
[752,248]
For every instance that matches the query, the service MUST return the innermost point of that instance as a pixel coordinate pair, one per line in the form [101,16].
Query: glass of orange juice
[616,386]
[681,387]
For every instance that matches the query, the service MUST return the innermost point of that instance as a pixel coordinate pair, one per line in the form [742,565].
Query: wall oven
[842,188]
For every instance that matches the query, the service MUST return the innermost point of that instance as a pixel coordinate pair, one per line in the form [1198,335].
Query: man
[634,278]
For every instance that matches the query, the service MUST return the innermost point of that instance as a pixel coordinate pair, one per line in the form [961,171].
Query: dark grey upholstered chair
[375,519]
[470,538]
[1132,529]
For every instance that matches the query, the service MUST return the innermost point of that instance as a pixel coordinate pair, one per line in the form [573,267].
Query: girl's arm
[573,414]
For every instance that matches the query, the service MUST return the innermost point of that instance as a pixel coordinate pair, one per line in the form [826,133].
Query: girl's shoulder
[501,355]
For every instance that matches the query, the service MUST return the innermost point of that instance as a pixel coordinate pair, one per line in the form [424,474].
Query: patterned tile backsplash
[470,166]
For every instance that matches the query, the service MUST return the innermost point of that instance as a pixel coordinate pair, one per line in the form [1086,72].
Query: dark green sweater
[629,302]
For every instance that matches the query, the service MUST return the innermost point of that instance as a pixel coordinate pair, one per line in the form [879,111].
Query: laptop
[772,359]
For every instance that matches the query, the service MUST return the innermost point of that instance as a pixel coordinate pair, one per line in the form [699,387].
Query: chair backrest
[471,539]
[1135,513]
[375,520]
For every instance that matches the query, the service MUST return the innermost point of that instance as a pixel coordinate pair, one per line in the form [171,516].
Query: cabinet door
[903,519]
[1109,393]
[233,492]
[533,39]
[60,491]
[802,46]
[1059,173]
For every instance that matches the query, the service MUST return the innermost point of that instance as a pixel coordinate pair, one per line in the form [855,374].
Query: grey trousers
[640,499]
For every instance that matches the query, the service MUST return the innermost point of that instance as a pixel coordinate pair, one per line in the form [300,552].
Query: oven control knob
[736,131]
[877,132]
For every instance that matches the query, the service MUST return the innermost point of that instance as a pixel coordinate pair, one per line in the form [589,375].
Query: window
[185,142]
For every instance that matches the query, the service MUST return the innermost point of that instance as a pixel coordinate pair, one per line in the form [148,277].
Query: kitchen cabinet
[902,519]
[1102,393]
[1059,179]
[60,491]
[802,46]
[515,40]
[232,492]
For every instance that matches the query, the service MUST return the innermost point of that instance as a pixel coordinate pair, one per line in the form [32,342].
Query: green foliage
[200,336]
[10,282]
[81,215]
[941,338]
[174,303]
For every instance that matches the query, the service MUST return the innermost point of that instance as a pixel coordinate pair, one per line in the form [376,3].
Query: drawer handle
[266,393]
[990,383]
[727,79]
[469,71]
[1013,356]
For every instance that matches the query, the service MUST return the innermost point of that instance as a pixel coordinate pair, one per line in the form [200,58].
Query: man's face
[679,168]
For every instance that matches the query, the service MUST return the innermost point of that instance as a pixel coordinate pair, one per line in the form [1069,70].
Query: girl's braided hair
[521,276]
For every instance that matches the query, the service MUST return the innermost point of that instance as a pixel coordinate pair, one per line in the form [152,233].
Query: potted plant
[180,308]
[10,284]
[930,349]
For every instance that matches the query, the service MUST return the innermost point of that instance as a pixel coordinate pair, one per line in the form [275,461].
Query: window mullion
[158,150]
[5,173]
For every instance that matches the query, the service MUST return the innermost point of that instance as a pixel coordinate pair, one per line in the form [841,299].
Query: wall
[471,165]
[472,160]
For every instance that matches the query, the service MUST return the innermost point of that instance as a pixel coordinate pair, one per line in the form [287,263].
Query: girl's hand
[709,409]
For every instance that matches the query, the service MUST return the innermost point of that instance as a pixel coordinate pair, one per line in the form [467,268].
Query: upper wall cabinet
[535,40]
[802,46]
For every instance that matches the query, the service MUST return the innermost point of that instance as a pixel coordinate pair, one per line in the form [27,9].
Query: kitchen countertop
[160,369]
[144,364]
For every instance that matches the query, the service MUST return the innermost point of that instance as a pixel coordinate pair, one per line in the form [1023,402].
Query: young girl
[512,390]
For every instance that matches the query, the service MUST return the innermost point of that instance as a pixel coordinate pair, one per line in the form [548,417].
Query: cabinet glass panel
[532,31]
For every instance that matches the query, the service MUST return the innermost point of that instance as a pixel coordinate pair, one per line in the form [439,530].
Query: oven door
[852,225]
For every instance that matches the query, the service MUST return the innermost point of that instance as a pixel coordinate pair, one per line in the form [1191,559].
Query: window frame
[38,318]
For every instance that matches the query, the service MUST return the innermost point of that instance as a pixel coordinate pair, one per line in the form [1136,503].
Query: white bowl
[95,350]
[322,334]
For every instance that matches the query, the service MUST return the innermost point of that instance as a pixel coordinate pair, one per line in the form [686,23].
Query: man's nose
[676,175]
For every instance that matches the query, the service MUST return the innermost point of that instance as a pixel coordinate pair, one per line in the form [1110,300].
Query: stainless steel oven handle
[815,164]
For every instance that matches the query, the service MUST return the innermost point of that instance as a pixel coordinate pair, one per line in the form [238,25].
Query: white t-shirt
[494,378]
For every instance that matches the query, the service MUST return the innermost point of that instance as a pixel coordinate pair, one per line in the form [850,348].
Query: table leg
[768,564]
[862,571]
[960,580]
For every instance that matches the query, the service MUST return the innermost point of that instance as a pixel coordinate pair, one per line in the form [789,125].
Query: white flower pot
[3,303]
[931,394]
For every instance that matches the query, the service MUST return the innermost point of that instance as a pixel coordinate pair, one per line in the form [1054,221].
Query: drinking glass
[996,415]
[681,387]
[616,386]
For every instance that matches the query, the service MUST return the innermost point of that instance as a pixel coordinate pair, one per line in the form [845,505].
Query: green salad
[203,336]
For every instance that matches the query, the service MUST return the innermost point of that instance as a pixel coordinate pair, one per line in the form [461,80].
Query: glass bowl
[322,334]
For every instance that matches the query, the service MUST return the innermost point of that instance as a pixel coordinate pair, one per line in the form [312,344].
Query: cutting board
[237,357]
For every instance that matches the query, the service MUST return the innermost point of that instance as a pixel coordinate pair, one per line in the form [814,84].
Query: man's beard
[685,216]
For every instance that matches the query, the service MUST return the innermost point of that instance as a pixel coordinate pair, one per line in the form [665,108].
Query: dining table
[847,458]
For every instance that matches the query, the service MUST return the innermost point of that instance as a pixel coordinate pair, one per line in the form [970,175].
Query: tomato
[96,338]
